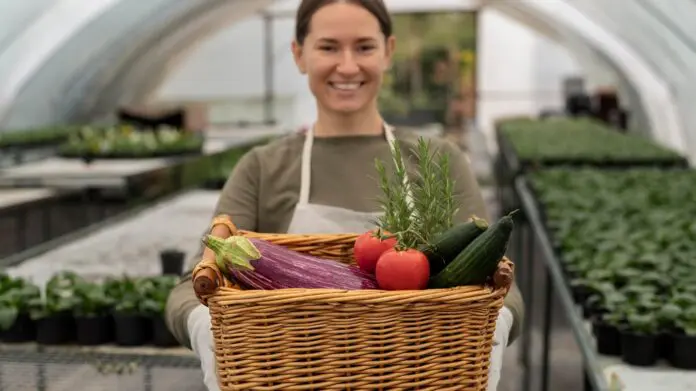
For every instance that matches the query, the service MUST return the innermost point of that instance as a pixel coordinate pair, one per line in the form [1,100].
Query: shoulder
[276,148]
[277,154]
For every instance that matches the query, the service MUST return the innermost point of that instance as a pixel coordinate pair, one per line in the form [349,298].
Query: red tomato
[402,270]
[368,248]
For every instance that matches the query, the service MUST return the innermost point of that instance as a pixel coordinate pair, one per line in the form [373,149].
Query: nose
[348,65]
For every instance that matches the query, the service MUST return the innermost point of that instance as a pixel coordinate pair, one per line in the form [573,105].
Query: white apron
[324,219]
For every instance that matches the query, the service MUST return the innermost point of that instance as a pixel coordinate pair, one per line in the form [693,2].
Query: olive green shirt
[261,193]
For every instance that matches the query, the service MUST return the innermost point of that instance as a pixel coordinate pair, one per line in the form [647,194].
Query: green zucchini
[479,260]
[447,245]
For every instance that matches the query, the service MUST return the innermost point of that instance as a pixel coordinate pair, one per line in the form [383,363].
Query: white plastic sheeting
[649,47]
[31,48]
[287,8]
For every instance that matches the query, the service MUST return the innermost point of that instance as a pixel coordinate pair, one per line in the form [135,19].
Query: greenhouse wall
[520,71]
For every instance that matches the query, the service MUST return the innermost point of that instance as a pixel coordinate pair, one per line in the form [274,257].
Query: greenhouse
[472,195]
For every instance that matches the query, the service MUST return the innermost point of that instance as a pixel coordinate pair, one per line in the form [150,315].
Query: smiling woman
[323,180]
[344,47]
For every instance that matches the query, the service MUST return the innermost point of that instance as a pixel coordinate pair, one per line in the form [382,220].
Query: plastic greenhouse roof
[107,49]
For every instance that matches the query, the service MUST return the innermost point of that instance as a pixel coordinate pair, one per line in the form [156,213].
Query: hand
[201,337]
[500,340]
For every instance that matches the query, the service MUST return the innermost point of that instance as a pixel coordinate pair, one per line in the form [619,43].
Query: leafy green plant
[92,299]
[127,141]
[17,296]
[140,296]
[556,140]
[642,323]
[59,297]
[157,291]
[632,230]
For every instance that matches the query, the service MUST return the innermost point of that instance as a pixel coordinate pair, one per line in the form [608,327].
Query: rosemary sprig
[432,207]
[433,192]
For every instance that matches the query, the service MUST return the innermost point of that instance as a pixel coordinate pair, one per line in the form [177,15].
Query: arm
[471,201]
[239,199]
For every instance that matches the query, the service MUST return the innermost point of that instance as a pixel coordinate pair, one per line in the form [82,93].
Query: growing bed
[626,241]
[127,248]
[125,142]
[590,198]
[616,247]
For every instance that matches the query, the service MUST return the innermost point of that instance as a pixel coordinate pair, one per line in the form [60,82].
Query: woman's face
[344,57]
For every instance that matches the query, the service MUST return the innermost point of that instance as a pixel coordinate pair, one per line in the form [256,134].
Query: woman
[324,181]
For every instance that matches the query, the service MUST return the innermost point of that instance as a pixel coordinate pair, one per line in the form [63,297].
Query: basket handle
[206,276]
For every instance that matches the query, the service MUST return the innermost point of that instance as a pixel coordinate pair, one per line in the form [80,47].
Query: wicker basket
[326,339]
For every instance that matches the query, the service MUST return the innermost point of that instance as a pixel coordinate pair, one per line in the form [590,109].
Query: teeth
[346,86]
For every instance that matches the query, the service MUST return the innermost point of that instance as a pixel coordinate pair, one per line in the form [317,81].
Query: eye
[366,48]
[327,48]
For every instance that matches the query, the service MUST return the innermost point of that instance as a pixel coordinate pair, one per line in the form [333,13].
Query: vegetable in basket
[479,260]
[259,264]
[370,246]
[430,251]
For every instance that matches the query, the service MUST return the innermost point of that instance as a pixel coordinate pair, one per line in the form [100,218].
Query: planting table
[602,373]
[122,174]
[174,222]
[104,368]
[29,217]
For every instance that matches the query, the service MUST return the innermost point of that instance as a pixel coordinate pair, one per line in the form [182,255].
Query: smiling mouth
[346,86]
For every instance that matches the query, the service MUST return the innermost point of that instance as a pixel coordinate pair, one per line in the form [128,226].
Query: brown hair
[308,8]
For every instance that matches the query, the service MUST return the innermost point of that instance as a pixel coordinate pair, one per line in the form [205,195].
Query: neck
[358,124]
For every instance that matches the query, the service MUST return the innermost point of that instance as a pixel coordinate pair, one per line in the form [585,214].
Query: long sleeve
[239,199]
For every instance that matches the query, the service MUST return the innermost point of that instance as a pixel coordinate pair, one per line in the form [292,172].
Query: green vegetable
[479,260]
[446,246]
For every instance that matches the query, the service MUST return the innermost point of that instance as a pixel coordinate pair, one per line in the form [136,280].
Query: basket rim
[457,295]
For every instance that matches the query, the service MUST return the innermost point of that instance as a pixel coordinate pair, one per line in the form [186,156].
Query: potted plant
[16,299]
[154,305]
[55,323]
[683,354]
[93,320]
[172,261]
[131,326]
[608,322]
[639,339]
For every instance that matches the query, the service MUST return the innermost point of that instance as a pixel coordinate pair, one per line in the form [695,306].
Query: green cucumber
[447,245]
[479,260]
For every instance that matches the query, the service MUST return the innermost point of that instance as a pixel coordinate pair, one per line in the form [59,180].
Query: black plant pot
[639,350]
[665,345]
[22,330]
[57,329]
[132,329]
[608,339]
[683,353]
[172,262]
[161,336]
[94,330]
[580,294]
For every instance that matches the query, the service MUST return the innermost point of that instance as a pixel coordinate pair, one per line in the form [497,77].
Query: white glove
[500,340]
[201,337]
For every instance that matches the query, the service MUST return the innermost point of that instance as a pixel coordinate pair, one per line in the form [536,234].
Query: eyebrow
[334,41]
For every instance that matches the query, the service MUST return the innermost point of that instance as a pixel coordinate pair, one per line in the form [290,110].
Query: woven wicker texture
[326,339]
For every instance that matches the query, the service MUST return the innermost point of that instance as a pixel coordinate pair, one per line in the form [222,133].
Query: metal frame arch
[44,36]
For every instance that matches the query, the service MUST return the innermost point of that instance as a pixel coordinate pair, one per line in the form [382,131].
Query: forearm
[182,300]
[514,302]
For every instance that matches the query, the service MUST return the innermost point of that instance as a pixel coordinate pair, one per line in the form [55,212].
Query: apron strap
[306,170]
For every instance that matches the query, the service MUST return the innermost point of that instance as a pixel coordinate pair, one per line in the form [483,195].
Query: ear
[389,51]
[297,53]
